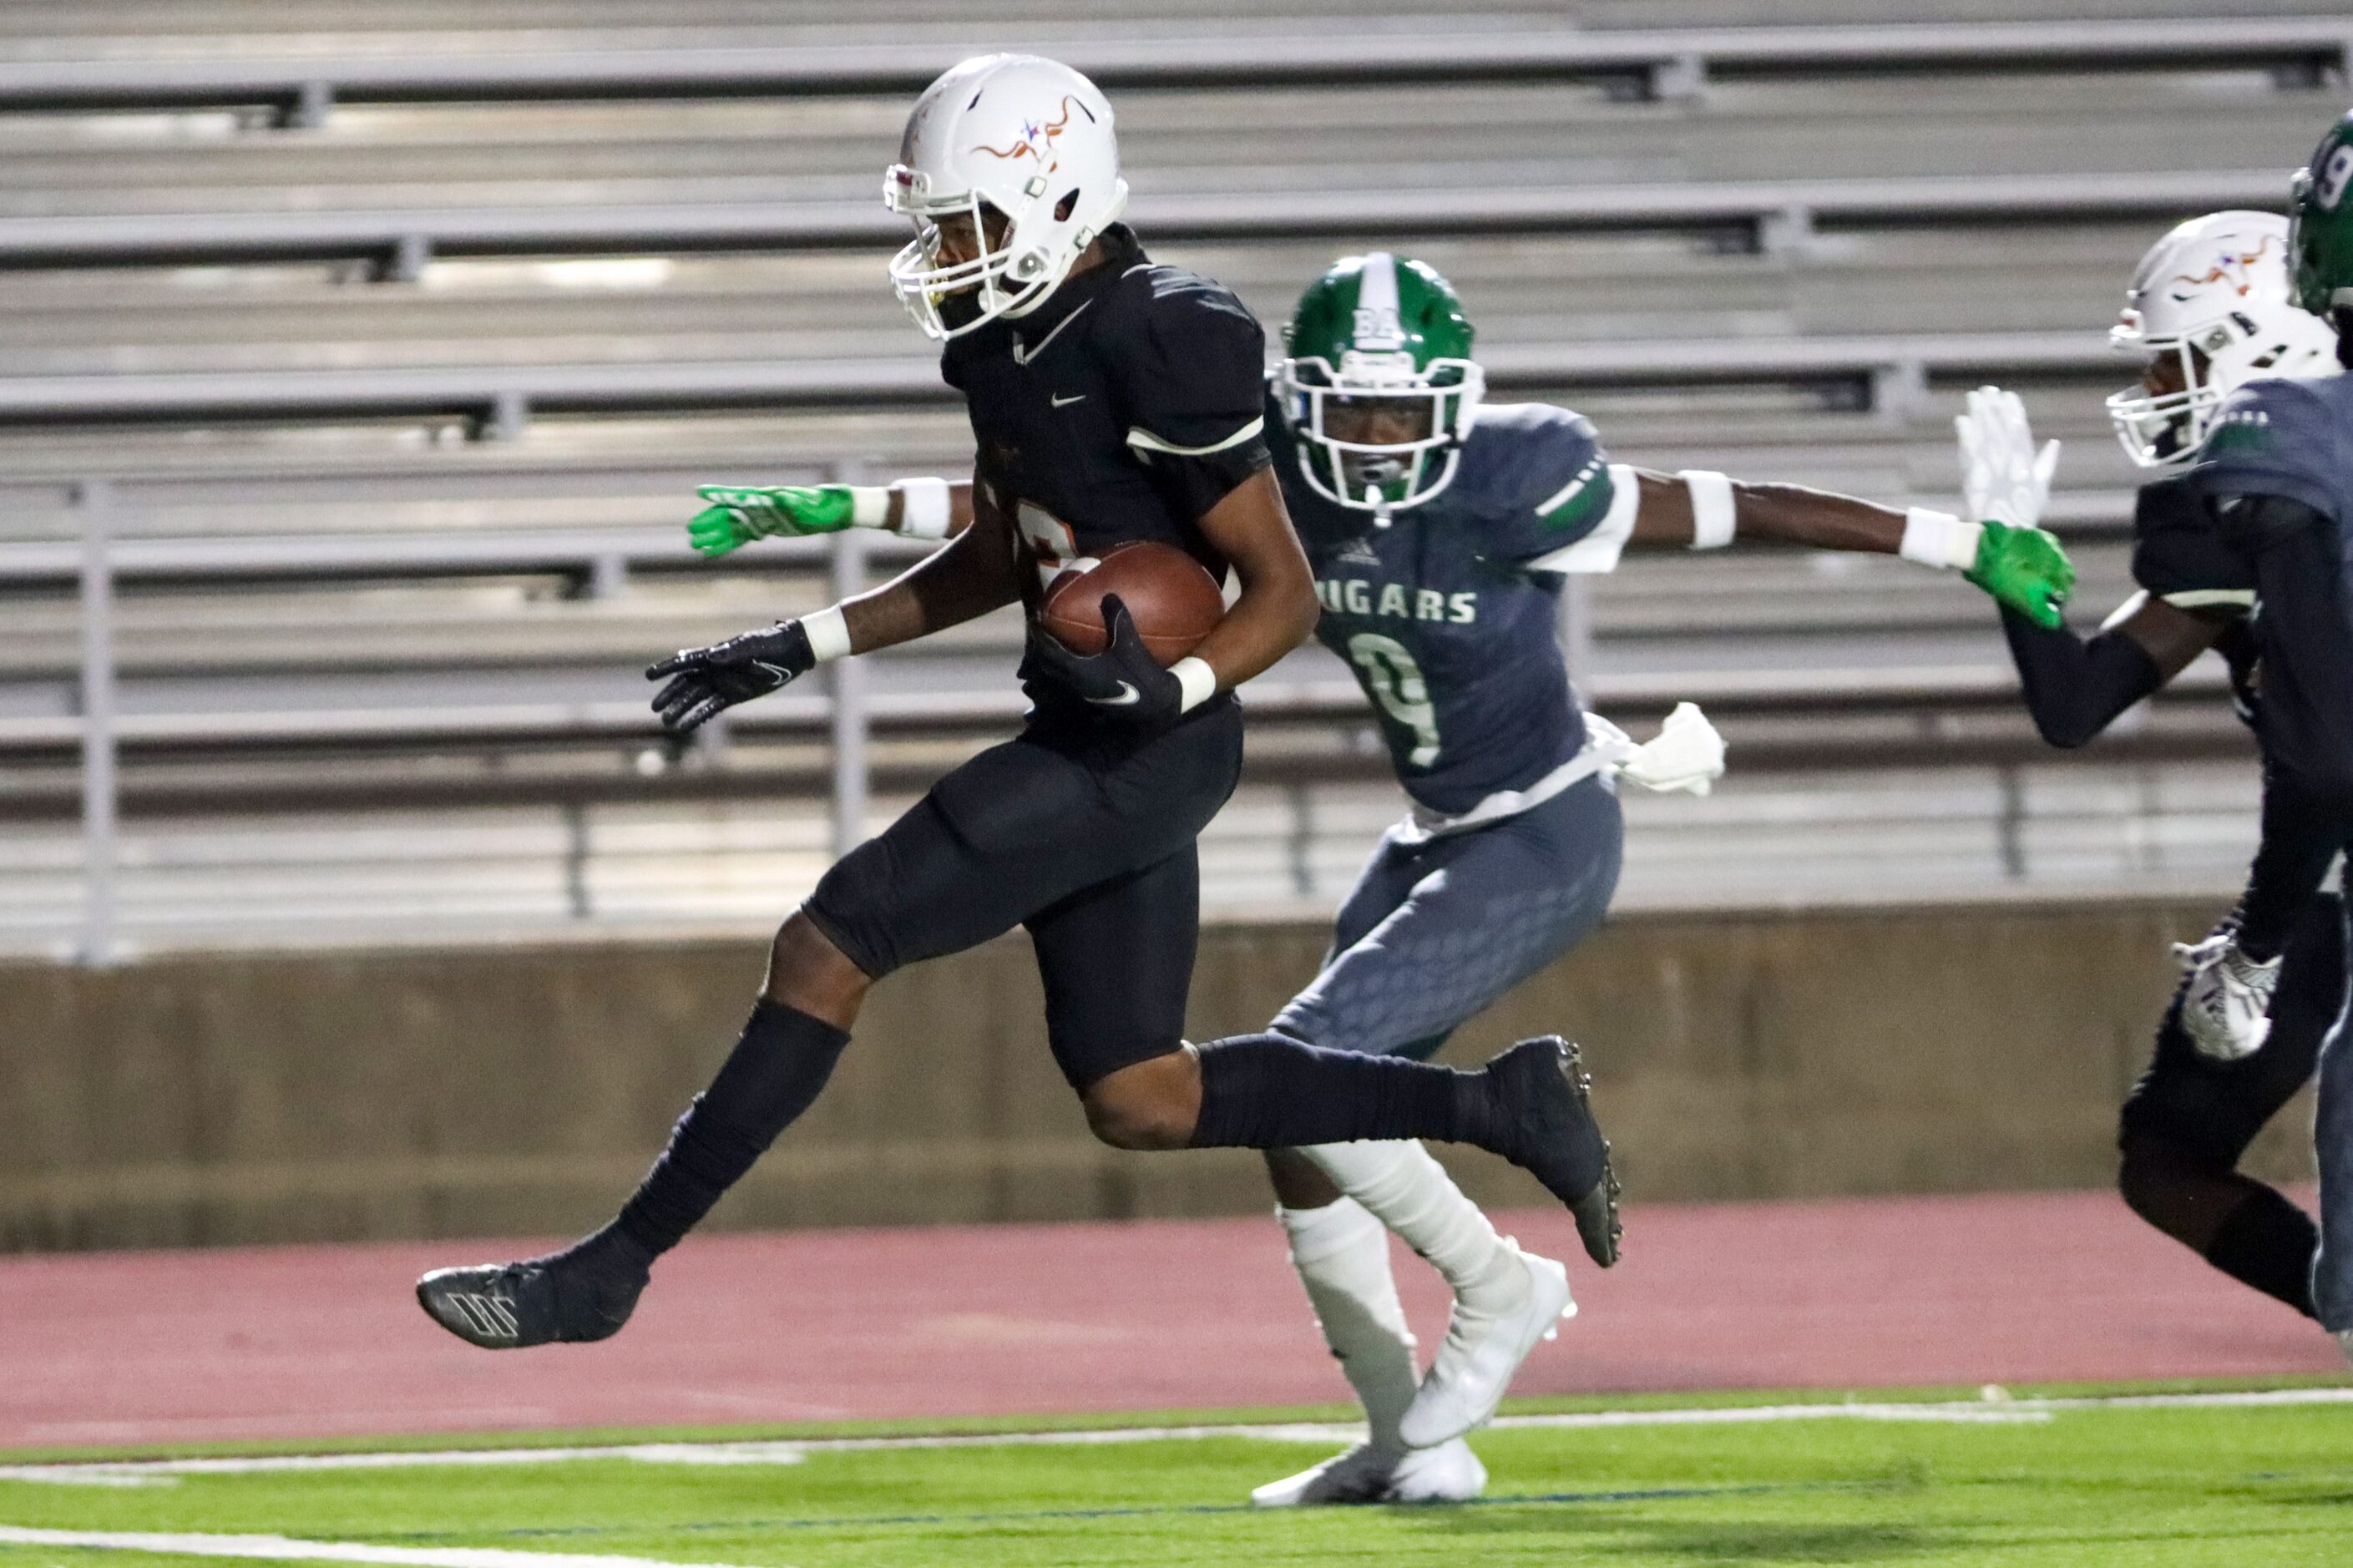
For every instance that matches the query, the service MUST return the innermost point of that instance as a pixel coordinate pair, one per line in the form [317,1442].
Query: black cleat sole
[1599,1226]
[1558,1141]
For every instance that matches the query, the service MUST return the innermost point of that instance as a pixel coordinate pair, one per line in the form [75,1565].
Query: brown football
[1174,600]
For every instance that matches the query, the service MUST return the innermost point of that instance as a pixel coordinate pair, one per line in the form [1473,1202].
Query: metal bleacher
[386,353]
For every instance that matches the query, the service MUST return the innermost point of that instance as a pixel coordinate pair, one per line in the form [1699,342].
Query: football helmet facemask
[2213,294]
[1025,141]
[1380,334]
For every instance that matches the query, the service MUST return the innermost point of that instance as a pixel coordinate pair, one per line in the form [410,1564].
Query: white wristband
[1939,539]
[1714,512]
[829,634]
[1197,679]
[870,506]
[924,508]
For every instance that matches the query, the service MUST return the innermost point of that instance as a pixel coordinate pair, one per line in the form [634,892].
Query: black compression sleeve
[2306,720]
[2076,689]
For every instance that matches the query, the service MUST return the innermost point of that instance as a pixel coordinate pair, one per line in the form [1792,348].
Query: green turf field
[2019,1482]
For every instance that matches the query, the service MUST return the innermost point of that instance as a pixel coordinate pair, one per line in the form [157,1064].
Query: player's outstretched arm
[916,507]
[977,573]
[2005,478]
[2023,567]
[1276,609]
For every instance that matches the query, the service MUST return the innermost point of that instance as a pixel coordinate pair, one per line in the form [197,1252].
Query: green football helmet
[1380,341]
[2320,225]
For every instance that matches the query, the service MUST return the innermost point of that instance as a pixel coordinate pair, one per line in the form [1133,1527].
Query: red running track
[306,1342]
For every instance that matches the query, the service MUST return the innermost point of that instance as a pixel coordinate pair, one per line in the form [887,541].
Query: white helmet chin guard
[2214,294]
[1026,138]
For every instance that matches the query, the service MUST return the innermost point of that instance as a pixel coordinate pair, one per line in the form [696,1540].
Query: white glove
[1686,754]
[2226,1010]
[2002,476]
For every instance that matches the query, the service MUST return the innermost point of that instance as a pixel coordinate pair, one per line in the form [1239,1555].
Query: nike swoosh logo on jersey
[1128,698]
[1066,402]
[1024,355]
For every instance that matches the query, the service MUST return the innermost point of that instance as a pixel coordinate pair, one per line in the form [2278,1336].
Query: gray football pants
[1436,931]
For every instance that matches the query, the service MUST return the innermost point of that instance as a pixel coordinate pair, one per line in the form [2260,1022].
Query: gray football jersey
[2290,438]
[1447,615]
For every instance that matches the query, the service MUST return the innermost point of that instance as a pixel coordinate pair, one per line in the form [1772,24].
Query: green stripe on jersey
[1585,496]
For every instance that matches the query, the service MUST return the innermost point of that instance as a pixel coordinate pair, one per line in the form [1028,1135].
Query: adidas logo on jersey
[1354,596]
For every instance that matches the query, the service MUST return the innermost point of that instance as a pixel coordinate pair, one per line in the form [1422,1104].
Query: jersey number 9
[1394,681]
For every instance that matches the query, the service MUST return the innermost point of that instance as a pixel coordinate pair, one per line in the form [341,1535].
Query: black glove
[707,681]
[1123,684]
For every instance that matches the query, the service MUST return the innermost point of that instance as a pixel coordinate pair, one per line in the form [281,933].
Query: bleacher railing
[1660,64]
[1765,215]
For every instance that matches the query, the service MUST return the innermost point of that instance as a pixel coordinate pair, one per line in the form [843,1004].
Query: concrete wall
[308,1097]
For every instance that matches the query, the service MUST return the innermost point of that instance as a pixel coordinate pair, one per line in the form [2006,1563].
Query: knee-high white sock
[1400,1185]
[1342,1254]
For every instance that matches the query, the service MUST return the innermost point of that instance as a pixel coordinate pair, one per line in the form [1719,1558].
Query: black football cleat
[1546,1127]
[585,1292]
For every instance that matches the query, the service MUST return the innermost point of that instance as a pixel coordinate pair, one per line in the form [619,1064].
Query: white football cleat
[1448,1473]
[1492,1332]
[2345,1344]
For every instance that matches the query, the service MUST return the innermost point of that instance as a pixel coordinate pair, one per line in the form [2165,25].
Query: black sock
[2267,1242]
[772,1076]
[1270,1091]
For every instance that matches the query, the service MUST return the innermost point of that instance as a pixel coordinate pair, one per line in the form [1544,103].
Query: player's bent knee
[1153,1104]
[807,972]
[1299,1182]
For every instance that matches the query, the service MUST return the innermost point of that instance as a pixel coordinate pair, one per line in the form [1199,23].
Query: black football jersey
[2179,556]
[1122,408]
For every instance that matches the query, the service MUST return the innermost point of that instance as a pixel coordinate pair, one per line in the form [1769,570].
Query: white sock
[1342,1254]
[1400,1185]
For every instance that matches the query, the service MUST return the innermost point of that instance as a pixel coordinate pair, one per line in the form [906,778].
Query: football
[1174,600]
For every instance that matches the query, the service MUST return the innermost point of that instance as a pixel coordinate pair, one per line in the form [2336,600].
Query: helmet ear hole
[1067,204]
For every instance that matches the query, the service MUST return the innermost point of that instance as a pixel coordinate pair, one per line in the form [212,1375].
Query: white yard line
[1996,1408]
[285,1549]
[1991,1413]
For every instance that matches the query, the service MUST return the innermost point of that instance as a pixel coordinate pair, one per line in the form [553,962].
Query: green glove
[2026,569]
[738,516]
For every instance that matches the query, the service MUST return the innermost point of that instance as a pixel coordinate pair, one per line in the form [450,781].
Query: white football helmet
[1028,138]
[2213,292]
